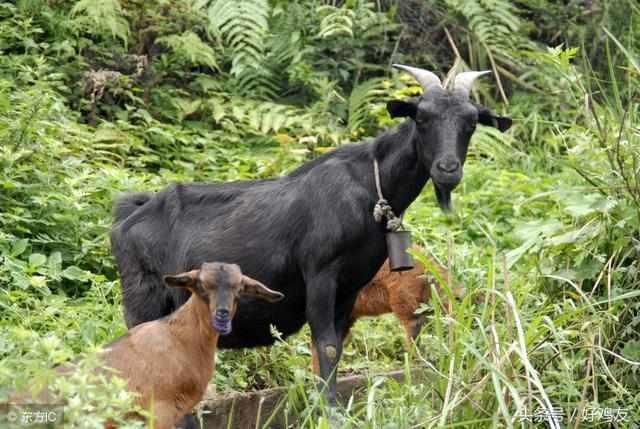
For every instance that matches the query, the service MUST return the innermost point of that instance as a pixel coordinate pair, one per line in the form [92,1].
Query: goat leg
[315,365]
[321,301]
[412,327]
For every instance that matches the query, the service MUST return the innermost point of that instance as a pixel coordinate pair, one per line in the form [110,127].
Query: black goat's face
[220,285]
[445,122]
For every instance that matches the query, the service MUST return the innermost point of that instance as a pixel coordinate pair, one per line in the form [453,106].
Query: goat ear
[486,117]
[401,109]
[185,280]
[256,289]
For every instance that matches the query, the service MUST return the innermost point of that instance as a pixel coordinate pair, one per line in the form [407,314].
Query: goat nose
[222,313]
[448,166]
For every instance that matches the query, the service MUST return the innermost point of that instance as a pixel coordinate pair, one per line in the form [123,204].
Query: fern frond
[495,24]
[97,16]
[242,25]
[260,117]
[360,101]
[257,82]
[489,143]
[190,47]
[336,21]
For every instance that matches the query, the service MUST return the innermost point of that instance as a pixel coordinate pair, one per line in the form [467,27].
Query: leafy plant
[98,17]
[189,46]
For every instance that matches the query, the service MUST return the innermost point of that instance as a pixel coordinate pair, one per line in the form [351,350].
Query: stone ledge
[243,409]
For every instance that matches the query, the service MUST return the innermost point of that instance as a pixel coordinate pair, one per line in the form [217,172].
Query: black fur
[129,203]
[310,235]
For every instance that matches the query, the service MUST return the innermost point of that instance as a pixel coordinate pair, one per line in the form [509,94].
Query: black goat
[310,235]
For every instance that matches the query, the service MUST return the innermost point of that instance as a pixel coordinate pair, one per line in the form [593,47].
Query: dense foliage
[102,96]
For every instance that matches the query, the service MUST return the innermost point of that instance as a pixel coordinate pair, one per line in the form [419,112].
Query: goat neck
[191,325]
[402,171]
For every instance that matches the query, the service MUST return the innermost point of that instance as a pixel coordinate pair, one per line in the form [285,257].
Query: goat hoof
[331,352]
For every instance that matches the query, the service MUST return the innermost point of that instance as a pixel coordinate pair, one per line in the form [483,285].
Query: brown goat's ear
[256,289]
[186,280]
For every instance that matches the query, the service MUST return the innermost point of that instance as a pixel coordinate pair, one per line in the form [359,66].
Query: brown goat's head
[220,285]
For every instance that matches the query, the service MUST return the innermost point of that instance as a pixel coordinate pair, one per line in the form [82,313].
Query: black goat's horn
[426,78]
[463,82]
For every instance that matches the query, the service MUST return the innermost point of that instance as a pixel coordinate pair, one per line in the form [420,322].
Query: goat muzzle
[446,174]
[221,322]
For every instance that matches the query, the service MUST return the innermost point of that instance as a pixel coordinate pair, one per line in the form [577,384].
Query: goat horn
[426,78]
[463,82]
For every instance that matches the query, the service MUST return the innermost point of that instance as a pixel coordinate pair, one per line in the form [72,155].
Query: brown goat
[400,293]
[169,362]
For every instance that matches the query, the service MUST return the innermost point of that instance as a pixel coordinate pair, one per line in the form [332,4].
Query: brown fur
[169,362]
[400,293]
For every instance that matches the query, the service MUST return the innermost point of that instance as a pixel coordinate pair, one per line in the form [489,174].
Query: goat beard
[443,195]
[220,324]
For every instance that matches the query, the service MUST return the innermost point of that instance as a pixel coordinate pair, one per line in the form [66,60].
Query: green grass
[520,337]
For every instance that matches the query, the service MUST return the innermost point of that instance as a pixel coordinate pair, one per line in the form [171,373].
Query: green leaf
[37,259]
[218,111]
[19,247]
[515,254]
[534,229]
[97,16]
[55,263]
[578,205]
[38,281]
[631,350]
[20,279]
[191,48]
[575,235]
[74,273]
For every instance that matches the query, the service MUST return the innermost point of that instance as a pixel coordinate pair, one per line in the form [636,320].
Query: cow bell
[398,242]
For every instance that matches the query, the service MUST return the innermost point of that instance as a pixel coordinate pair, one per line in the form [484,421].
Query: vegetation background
[102,96]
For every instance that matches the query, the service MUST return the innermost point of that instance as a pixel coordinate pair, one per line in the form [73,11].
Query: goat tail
[128,203]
